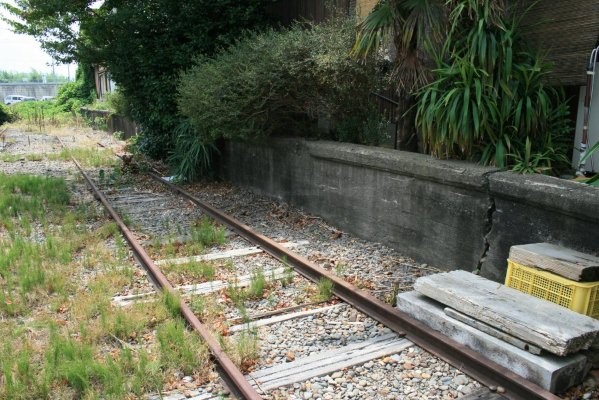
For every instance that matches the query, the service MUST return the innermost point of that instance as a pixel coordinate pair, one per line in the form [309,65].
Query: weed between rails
[243,348]
[204,233]
[60,336]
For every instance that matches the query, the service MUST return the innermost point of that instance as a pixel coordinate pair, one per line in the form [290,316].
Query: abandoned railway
[284,313]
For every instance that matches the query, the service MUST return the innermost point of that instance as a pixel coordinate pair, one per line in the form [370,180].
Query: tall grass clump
[181,350]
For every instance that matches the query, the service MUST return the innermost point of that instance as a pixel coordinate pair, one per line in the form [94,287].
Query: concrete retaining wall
[37,90]
[449,214]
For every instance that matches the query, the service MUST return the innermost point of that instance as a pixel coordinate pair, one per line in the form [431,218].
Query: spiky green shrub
[489,100]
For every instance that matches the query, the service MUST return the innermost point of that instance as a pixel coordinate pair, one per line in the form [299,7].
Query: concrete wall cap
[452,172]
[568,197]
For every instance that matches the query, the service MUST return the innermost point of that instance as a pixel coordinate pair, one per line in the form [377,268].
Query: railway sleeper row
[395,333]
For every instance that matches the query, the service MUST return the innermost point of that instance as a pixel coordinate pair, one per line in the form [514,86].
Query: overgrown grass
[41,116]
[88,157]
[258,284]
[325,289]
[195,271]
[60,335]
[244,349]
[203,233]
[31,266]
[181,350]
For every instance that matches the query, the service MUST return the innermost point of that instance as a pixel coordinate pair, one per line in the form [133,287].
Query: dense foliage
[143,44]
[488,100]
[72,95]
[278,82]
[4,115]
[407,31]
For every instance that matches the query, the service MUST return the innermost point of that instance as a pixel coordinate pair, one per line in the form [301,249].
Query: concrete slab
[547,325]
[553,373]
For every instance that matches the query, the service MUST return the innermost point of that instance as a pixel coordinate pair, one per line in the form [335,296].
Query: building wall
[36,90]
[566,31]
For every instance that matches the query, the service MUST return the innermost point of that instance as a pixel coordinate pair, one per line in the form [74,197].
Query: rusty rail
[474,364]
[236,378]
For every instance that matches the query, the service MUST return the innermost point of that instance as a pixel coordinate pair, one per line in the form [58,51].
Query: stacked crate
[557,274]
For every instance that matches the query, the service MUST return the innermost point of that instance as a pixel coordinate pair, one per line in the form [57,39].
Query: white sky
[21,53]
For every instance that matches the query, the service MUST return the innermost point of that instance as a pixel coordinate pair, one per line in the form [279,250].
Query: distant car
[47,98]
[15,98]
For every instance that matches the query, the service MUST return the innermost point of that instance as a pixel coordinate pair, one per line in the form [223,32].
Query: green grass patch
[208,233]
[179,349]
[257,284]
[196,271]
[92,157]
[61,336]
[325,289]
[41,115]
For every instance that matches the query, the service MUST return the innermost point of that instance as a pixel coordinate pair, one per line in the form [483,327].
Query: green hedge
[279,82]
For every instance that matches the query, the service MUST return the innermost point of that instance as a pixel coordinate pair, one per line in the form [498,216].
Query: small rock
[460,380]
[290,356]
[500,389]
[408,365]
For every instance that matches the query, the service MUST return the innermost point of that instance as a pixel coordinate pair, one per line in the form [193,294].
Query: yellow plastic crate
[582,297]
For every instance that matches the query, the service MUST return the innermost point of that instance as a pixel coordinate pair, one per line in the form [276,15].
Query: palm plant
[413,27]
[489,101]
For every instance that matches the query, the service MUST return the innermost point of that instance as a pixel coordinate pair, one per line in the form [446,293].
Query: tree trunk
[407,139]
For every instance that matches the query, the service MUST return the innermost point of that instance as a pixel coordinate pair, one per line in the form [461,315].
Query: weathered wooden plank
[489,330]
[199,288]
[246,251]
[328,361]
[280,318]
[189,395]
[484,394]
[539,322]
[559,260]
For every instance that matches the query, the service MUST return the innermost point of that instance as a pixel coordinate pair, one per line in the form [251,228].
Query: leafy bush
[4,115]
[118,103]
[278,83]
[73,95]
[488,100]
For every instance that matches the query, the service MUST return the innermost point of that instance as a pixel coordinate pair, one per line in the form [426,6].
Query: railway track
[350,309]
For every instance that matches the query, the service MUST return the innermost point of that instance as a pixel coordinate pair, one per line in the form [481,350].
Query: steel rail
[236,378]
[470,362]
